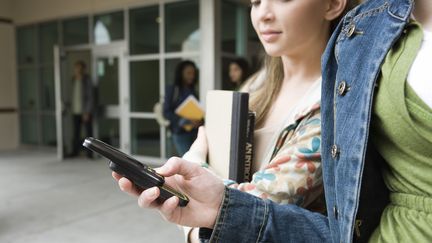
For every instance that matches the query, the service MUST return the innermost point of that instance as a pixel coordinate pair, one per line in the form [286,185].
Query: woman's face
[78,70]
[189,75]
[235,73]
[287,27]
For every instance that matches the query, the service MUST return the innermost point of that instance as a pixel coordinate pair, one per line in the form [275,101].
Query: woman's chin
[273,52]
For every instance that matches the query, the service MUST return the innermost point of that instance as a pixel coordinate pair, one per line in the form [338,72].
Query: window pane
[170,66]
[26,38]
[144,85]
[226,82]
[49,130]
[182,27]
[75,31]
[107,75]
[28,89]
[228,26]
[29,128]
[235,20]
[144,30]
[48,37]
[145,137]
[47,91]
[108,27]
[108,131]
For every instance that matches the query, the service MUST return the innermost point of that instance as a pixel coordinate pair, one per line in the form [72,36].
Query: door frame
[119,51]
[116,49]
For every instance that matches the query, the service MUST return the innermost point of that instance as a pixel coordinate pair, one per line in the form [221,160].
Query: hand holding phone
[205,191]
[140,174]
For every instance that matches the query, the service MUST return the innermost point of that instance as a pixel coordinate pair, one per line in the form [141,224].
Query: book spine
[249,146]
[240,112]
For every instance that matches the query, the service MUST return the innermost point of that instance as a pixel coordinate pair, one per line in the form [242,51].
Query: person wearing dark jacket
[82,104]
[185,79]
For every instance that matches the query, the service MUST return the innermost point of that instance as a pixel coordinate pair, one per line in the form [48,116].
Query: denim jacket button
[335,212]
[351,30]
[334,151]
[342,88]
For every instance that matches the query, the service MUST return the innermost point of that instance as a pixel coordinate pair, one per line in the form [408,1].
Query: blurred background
[130,48]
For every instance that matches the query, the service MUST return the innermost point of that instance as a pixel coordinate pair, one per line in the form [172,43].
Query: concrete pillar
[9,123]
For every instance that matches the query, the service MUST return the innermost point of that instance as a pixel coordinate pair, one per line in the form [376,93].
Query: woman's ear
[335,8]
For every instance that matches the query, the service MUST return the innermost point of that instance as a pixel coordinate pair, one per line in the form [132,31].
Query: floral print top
[293,174]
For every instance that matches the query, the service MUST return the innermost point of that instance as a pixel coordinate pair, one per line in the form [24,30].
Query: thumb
[202,135]
[200,144]
[179,166]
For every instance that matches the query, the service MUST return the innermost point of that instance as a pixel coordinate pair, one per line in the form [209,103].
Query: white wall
[8,89]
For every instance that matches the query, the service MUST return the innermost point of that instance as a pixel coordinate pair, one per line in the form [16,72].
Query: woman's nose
[266,11]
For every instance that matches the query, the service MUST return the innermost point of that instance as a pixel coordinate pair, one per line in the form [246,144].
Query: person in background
[82,106]
[238,72]
[185,80]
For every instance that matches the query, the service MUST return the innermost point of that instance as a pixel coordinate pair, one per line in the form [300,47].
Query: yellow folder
[190,109]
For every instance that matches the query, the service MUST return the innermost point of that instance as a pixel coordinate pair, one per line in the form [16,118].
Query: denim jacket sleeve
[246,218]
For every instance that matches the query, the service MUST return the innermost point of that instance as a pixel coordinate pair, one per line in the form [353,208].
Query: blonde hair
[263,98]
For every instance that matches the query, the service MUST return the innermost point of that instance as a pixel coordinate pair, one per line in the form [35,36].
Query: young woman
[238,72]
[374,67]
[186,76]
[287,164]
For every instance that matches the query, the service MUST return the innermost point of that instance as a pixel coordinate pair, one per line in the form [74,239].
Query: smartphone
[141,175]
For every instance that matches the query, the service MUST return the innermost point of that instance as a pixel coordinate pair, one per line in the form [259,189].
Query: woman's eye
[255,3]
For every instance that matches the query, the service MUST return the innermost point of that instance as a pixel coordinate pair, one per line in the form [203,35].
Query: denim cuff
[242,218]
[206,233]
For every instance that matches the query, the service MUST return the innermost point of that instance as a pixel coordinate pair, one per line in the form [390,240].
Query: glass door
[64,65]
[105,67]
[109,75]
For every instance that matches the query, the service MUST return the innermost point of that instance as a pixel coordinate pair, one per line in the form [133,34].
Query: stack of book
[229,127]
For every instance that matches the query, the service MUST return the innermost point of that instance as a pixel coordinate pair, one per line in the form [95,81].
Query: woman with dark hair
[186,77]
[238,72]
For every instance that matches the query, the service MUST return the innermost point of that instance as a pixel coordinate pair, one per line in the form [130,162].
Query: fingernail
[151,192]
[121,186]
[159,170]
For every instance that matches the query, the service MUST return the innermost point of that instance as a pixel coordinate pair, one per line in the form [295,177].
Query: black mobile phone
[140,174]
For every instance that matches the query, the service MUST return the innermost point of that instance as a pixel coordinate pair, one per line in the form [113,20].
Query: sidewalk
[46,200]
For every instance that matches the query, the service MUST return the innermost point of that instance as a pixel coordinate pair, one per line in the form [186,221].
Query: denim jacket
[352,183]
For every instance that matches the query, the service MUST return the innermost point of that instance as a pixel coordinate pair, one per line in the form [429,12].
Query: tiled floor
[46,200]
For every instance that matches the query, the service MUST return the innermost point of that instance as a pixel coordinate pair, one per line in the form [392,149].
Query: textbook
[229,127]
[190,109]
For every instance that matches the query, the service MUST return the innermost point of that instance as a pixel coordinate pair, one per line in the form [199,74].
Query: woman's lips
[270,36]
